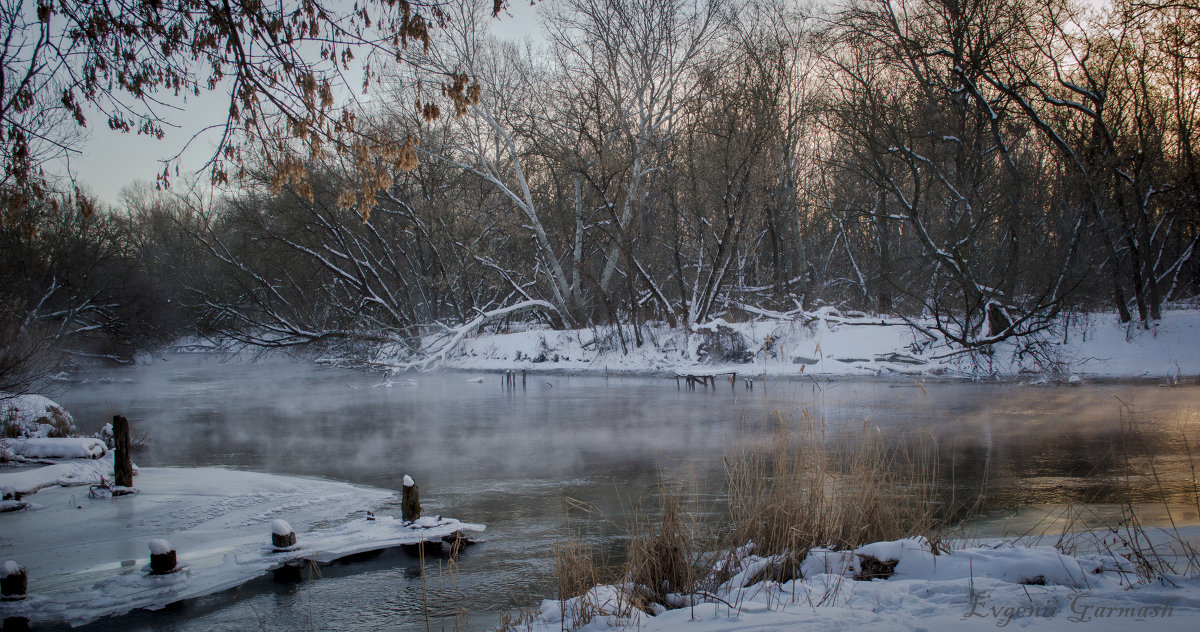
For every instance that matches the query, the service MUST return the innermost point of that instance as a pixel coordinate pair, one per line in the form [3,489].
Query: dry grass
[672,554]
[808,491]
[575,568]
[801,492]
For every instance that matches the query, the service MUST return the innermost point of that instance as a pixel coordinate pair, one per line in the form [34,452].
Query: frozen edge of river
[85,556]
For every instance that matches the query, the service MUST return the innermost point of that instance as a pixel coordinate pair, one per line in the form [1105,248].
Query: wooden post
[14,581]
[410,501]
[123,464]
[733,381]
[282,535]
[162,557]
[522,379]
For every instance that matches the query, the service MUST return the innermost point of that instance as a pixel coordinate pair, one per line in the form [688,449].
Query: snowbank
[57,448]
[34,416]
[827,342]
[85,557]
[76,472]
[982,587]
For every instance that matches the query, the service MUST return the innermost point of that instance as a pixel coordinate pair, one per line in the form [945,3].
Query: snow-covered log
[56,448]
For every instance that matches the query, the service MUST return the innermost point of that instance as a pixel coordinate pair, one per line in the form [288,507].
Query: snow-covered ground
[86,556]
[824,342]
[985,585]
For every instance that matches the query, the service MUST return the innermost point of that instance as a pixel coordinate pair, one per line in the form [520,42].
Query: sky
[111,161]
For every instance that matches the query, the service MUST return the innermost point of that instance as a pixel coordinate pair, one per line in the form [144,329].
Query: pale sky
[110,161]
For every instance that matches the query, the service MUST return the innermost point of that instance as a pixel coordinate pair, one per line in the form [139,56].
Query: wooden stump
[163,562]
[162,556]
[123,463]
[14,581]
[282,535]
[410,502]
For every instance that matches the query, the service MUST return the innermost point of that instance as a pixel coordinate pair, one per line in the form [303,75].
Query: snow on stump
[162,557]
[410,502]
[123,464]
[14,581]
[282,535]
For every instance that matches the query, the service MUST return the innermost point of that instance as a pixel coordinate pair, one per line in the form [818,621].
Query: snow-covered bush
[720,343]
[34,416]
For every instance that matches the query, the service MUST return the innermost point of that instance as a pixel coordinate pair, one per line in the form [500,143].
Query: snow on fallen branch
[455,335]
[826,314]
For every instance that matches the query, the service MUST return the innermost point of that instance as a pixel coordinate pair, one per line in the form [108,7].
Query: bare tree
[950,160]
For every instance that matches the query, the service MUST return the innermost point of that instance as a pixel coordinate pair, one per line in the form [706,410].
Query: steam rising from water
[510,458]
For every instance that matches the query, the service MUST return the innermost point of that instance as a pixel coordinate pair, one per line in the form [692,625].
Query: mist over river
[518,459]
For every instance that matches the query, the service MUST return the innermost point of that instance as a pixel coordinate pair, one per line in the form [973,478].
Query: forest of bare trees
[978,167]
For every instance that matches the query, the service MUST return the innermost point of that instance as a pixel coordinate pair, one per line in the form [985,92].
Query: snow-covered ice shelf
[86,557]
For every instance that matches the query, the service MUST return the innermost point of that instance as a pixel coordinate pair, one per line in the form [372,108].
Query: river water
[523,461]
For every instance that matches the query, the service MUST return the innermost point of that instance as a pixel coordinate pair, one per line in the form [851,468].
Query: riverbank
[823,342]
[1090,580]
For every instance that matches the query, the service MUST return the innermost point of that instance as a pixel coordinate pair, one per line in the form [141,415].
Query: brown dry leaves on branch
[285,65]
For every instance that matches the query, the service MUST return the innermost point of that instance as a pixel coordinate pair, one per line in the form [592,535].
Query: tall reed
[809,490]
[803,491]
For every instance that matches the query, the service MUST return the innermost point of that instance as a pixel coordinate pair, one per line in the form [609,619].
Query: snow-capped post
[14,581]
[282,535]
[123,463]
[410,502]
[162,556]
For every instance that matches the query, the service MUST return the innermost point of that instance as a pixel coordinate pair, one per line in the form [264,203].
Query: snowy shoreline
[823,343]
[1084,579]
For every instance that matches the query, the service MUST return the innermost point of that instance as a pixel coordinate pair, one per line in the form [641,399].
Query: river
[523,460]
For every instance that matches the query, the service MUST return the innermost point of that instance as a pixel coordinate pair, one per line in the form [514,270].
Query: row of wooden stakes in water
[14,578]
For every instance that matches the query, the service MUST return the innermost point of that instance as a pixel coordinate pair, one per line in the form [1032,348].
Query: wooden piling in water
[123,462]
[282,535]
[410,501]
[162,557]
[14,581]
